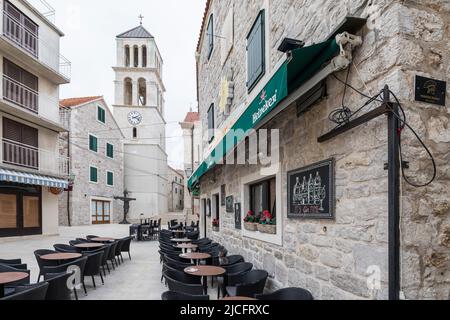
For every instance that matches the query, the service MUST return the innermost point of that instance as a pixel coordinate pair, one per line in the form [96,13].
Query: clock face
[134,118]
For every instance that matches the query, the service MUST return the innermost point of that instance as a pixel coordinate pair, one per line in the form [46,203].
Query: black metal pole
[394,196]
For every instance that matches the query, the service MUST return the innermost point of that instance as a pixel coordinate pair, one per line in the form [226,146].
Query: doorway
[20,210]
[101,212]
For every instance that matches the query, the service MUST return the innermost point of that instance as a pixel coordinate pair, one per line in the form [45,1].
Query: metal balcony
[20,94]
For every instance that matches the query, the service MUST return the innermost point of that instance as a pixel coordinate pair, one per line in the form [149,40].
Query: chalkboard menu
[237,216]
[229,204]
[311,191]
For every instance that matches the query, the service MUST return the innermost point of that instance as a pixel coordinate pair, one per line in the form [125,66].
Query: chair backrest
[126,244]
[82,240]
[57,286]
[11,261]
[7,268]
[252,283]
[182,277]
[64,248]
[177,286]
[80,263]
[112,250]
[93,263]
[89,237]
[230,260]
[177,262]
[22,266]
[239,268]
[175,296]
[287,294]
[75,242]
[42,263]
[35,292]
[120,243]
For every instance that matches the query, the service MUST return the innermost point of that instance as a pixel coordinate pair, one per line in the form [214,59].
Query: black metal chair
[112,255]
[178,296]
[182,276]
[29,293]
[287,294]
[230,260]
[93,266]
[126,246]
[248,284]
[7,268]
[64,248]
[11,261]
[118,251]
[178,286]
[233,272]
[22,266]
[75,242]
[57,286]
[89,237]
[80,263]
[43,263]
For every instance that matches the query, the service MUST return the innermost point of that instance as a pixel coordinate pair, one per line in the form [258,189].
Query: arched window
[128,92]
[127,56]
[136,56]
[142,94]
[144,57]
[135,133]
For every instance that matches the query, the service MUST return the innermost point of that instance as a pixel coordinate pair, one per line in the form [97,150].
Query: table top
[205,271]
[195,256]
[61,256]
[89,245]
[178,231]
[181,240]
[8,277]
[103,239]
[187,246]
[238,299]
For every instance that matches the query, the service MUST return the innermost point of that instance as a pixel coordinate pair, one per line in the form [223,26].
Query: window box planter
[251,226]
[267,228]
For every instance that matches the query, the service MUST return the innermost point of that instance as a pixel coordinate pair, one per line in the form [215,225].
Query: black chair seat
[29,293]
[231,291]
[286,295]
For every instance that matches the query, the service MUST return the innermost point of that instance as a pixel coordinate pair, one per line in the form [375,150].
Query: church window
[128,94]
[127,56]
[144,56]
[135,133]
[136,56]
[142,97]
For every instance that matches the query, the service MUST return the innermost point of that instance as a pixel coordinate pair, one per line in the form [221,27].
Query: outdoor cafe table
[103,239]
[238,299]
[184,240]
[89,246]
[10,277]
[193,256]
[178,233]
[60,257]
[186,247]
[205,272]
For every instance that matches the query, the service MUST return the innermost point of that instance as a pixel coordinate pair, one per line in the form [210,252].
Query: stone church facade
[338,258]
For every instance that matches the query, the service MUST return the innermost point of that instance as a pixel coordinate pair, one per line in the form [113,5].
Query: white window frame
[98,120]
[246,182]
[109,185]
[90,181]
[106,150]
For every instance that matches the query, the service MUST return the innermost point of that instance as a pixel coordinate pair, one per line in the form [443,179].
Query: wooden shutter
[93,175]
[12,130]
[110,178]
[210,36]
[256,51]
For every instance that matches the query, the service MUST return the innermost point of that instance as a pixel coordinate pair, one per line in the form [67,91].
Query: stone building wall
[83,121]
[332,258]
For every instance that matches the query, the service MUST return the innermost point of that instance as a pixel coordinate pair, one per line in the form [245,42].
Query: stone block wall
[336,259]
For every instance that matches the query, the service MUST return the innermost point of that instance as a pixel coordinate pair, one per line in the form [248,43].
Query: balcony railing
[30,42]
[25,156]
[20,94]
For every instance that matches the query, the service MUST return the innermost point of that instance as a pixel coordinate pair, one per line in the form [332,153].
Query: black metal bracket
[405,165]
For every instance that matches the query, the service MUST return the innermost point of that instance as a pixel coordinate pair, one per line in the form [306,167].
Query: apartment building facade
[94,145]
[334,220]
[32,172]
[176,186]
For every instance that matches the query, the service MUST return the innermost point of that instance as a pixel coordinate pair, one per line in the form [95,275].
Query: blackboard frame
[331,190]
[238,216]
[229,204]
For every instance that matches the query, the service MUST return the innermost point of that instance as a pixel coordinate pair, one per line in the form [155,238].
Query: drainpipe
[68,190]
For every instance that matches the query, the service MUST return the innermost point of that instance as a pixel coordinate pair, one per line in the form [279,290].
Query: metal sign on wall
[311,191]
[430,91]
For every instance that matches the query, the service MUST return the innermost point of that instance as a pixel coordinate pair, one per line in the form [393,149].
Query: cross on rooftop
[141,17]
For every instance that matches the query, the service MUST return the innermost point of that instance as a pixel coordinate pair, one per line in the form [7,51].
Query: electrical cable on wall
[343,116]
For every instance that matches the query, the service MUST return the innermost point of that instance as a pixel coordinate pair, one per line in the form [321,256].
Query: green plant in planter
[268,219]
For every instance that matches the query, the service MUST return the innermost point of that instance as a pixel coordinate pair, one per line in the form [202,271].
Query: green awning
[304,63]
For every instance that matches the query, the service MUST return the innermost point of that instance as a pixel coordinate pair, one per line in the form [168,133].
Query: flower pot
[250,226]
[267,228]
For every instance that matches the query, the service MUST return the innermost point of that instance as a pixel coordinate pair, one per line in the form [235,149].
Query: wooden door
[101,212]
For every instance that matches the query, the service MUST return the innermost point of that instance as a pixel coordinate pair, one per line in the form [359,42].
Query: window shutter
[93,143]
[255,51]
[94,175]
[110,179]
[12,130]
[109,150]
[210,37]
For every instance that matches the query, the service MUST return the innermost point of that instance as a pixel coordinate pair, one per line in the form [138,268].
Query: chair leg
[101,277]
[75,293]
[93,281]
[107,266]
[121,257]
[112,263]
[129,255]
[84,287]
[39,277]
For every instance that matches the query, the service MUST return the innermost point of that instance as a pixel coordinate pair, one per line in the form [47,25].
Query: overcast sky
[90,28]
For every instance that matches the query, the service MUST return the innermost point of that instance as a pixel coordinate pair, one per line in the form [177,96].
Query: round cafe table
[61,256]
[10,277]
[195,256]
[205,272]
[186,247]
[238,299]
[89,246]
[184,240]
[103,239]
